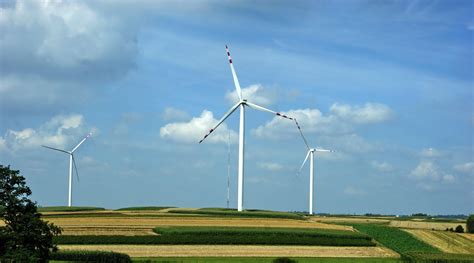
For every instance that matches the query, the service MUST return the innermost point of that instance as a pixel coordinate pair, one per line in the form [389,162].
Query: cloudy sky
[387,84]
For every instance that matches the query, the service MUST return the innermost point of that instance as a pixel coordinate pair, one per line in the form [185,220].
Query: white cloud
[53,49]
[271,166]
[368,113]
[431,153]
[465,167]
[61,131]
[448,178]
[195,129]
[342,120]
[426,170]
[174,114]
[310,120]
[255,93]
[382,166]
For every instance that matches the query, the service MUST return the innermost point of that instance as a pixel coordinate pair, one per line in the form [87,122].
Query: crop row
[395,239]
[437,257]
[230,236]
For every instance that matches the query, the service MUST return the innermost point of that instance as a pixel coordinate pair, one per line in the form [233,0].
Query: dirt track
[237,251]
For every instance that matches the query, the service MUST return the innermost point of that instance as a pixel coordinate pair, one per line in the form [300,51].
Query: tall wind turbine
[310,153]
[241,104]
[72,162]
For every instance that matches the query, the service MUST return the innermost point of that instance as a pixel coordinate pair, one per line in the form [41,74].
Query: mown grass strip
[69,208]
[234,213]
[231,236]
[395,239]
[144,208]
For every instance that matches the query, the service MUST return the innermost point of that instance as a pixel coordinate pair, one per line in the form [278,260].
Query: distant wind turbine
[310,153]
[72,162]
[241,104]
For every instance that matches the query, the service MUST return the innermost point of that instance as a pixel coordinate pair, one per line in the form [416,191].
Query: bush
[437,257]
[459,229]
[470,224]
[91,256]
[284,260]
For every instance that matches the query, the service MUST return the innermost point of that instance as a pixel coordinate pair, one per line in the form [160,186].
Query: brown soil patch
[445,241]
[237,251]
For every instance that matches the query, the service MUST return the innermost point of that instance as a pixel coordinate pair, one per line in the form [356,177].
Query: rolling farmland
[446,241]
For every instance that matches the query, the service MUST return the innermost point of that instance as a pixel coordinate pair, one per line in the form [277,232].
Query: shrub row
[395,239]
[91,256]
[436,257]
[234,213]
[229,236]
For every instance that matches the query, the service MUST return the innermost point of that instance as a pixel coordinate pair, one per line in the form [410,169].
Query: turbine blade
[302,136]
[305,159]
[323,150]
[83,140]
[234,76]
[75,167]
[55,149]
[257,107]
[228,113]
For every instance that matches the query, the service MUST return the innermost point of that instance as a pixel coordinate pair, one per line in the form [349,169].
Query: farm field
[445,241]
[237,251]
[412,224]
[203,235]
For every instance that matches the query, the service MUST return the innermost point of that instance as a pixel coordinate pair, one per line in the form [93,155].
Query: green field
[68,208]
[395,239]
[235,213]
[144,208]
[231,236]
[265,260]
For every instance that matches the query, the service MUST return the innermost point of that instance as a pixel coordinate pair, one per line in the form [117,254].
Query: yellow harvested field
[137,224]
[467,235]
[237,251]
[425,225]
[107,231]
[348,220]
[446,241]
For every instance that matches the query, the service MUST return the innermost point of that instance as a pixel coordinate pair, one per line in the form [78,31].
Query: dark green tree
[470,224]
[25,237]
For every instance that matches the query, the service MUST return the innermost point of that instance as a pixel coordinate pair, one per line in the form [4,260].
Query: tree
[470,224]
[25,236]
[459,229]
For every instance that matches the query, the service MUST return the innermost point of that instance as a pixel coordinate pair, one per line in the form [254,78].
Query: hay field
[356,220]
[129,225]
[238,251]
[425,225]
[445,241]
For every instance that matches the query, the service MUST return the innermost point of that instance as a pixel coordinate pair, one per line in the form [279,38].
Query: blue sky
[387,84]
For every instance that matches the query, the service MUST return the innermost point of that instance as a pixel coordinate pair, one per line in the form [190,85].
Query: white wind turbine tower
[310,154]
[241,104]
[72,162]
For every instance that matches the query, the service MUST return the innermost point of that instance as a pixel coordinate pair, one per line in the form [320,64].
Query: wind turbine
[241,104]
[310,154]
[72,162]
